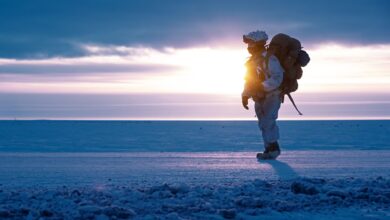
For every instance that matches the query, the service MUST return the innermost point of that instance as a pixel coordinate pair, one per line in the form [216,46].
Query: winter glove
[244,100]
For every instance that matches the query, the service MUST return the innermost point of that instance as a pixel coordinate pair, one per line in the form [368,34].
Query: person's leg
[260,115]
[270,107]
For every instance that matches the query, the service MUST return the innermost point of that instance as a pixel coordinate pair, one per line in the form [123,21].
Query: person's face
[254,48]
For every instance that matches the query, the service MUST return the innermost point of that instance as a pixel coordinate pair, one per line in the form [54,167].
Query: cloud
[101,64]
[48,28]
[83,69]
[120,69]
[91,73]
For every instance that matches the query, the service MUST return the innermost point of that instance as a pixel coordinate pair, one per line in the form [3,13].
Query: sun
[217,71]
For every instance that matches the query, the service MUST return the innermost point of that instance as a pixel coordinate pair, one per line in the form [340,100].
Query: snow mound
[363,197]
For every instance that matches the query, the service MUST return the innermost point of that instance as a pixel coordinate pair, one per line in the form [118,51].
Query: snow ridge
[239,200]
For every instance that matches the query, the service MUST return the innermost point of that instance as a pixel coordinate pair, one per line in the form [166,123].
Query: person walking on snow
[262,81]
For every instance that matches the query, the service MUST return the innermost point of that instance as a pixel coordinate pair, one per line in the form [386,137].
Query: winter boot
[272,151]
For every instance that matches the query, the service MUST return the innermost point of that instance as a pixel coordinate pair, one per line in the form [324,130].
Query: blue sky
[57,28]
[162,49]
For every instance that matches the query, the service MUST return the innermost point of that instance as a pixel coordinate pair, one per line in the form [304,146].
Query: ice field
[193,170]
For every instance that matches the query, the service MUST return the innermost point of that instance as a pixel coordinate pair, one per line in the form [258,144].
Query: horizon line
[201,119]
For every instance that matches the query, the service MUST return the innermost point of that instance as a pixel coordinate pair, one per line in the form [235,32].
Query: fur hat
[255,37]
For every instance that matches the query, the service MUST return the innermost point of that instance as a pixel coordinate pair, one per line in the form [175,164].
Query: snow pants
[267,112]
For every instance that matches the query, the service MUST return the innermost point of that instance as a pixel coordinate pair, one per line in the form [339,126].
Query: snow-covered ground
[187,136]
[301,198]
[156,170]
[56,169]
[301,184]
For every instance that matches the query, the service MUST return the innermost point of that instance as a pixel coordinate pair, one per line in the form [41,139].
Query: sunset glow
[333,68]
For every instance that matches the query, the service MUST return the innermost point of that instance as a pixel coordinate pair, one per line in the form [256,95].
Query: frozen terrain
[186,136]
[193,170]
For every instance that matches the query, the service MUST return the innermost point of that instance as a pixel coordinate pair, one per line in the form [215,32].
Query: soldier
[262,83]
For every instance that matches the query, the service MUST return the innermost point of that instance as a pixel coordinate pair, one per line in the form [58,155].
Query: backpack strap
[267,56]
[292,101]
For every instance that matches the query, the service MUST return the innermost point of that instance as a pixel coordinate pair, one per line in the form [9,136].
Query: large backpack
[289,52]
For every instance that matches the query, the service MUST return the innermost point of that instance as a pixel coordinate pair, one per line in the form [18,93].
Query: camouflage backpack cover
[289,52]
[292,58]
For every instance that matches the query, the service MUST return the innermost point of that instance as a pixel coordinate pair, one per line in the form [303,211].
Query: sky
[165,59]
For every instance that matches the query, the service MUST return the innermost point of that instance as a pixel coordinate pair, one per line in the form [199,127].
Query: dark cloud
[81,69]
[47,28]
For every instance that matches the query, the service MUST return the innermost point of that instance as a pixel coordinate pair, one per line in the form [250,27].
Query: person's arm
[276,75]
[246,94]
[250,70]
[247,90]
